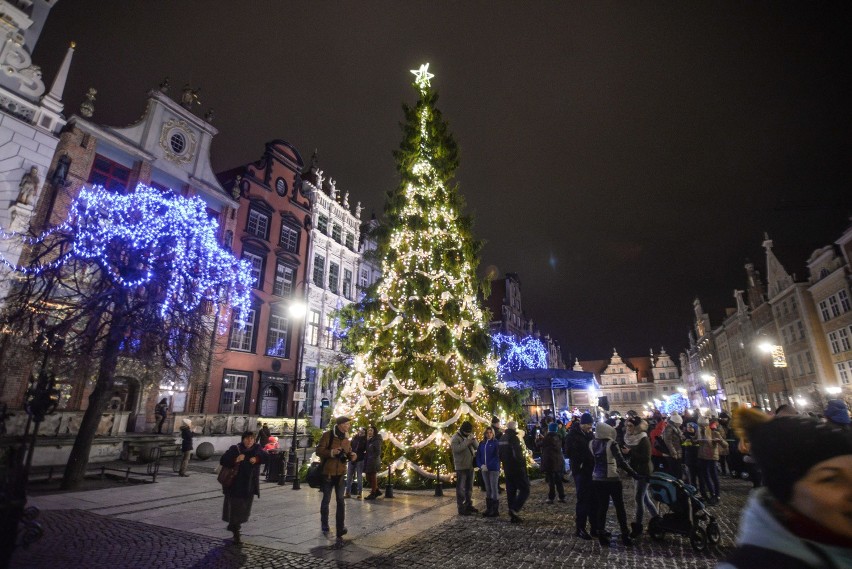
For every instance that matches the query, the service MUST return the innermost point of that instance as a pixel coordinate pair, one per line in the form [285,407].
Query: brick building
[253,369]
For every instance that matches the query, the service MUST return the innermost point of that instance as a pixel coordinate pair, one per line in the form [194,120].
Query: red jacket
[658,430]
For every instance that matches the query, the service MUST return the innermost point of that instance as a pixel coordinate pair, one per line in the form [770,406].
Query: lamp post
[297,310]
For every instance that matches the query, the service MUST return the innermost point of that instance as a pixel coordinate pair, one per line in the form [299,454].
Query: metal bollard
[389,487]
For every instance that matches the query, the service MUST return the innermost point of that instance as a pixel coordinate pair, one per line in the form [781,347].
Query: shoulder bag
[314,475]
[227,475]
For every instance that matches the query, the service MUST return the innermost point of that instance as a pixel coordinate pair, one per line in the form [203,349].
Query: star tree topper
[422,76]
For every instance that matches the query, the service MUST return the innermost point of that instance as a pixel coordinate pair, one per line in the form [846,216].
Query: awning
[550,379]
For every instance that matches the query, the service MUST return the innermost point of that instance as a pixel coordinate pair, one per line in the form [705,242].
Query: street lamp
[297,310]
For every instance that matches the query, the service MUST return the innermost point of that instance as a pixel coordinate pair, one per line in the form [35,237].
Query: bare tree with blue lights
[134,275]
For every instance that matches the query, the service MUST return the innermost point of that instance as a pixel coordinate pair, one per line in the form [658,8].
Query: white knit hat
[676,419]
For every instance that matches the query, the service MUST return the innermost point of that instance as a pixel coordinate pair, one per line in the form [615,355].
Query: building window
[234,387]
[823,311]
[801,328]
[319,271]
[365,278]
[111,175]
[844,371]
[285,275]
[258,224]
[256,262]
[810,360]
[276,338]
[333,277]
[328,336]
[289,238]
[242,340]
[350,241]
[312,328]
[833,305]
[842,340]
[336,232]
[311,381]
[347,283]
[322,224]
[844,300]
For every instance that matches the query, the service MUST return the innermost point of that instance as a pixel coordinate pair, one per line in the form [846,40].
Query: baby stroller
[686,514]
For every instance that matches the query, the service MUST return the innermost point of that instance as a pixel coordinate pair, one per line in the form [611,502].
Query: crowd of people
[801,514]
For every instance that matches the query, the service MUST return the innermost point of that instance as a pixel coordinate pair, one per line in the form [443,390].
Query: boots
[625,536]
[491,508]
[495,513]
[637,530]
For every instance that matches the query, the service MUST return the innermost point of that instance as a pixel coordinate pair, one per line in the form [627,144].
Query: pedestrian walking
[689,449]
[724,429]
[607,484]
[355,469]
[488,462]
[464,445]
[161,411]
[186,446]
[335,451]
[514,463]
[373,461]
[553,463]
[582,463]
[801,518]
[709,443]
[638,449]
[247,456]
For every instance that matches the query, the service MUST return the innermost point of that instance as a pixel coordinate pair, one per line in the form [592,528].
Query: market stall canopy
[550,379]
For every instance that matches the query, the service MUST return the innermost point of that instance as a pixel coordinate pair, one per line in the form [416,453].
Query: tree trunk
[78,460]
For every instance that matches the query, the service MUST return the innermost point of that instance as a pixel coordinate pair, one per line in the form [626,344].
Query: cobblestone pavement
[75,538]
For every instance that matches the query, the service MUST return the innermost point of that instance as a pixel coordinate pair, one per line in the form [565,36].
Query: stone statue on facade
[87,107]
[189,97]
[208,116]
[236,190]
[346,200]
[164,86]
[358,210]
[28,186]
[332,189]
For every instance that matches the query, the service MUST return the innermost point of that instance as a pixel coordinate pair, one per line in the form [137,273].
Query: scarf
[633,440]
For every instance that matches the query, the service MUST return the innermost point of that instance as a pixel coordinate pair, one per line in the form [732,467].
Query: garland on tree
[423,360]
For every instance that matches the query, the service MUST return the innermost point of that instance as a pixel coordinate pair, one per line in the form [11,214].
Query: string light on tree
[422,358]
[515,355]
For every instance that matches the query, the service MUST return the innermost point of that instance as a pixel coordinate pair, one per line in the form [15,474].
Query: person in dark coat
[553,463]
[582,463]
[247,455]
[186,446]
[263,434]
[160,413]
[515,469]
[335,451]
[373,461]
[608,460]
[495,425]
[488,461]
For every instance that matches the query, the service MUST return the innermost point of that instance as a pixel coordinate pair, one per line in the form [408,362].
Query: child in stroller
[686,514]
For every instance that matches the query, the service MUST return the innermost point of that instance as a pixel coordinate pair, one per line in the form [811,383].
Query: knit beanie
[676,419]
[837,412]
[788,447]
[342,419]
[466,428]
[586,419]
[551,428]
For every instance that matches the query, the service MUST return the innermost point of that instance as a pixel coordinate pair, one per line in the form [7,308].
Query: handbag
[660,445]
[227,475]
[314,475]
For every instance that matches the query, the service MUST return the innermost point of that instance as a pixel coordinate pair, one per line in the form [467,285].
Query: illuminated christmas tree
[423,359]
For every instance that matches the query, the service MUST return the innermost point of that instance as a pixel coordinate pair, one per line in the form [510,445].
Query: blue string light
[145,235]
[675,403]
[528,353]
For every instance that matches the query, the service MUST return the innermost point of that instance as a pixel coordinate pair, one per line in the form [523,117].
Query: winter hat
[342,419]
[676,419]
[724,415]
[586,419]
[551,428]
[693,425]
[466,428]
[788,447]
[604,431]
[187,423]
[837,412]
[512,425]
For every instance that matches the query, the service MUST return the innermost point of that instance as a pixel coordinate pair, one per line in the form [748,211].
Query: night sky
[622,158]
